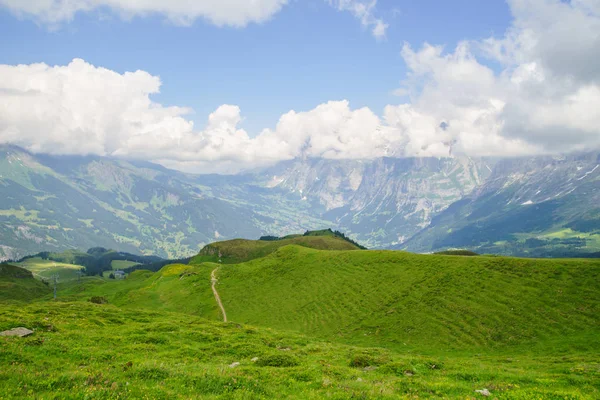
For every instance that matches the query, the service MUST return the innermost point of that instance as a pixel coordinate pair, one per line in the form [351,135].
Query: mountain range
[534,206]
[541,206]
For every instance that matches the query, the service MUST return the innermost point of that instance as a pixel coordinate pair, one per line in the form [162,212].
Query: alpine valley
[540,206]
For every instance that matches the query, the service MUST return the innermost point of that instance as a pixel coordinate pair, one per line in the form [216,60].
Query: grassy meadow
[403,300]
[97,351]
[241,250]
[122,264]
[44,269]
[306,323]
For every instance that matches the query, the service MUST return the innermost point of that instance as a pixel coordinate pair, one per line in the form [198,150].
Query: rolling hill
[384,298]
[93,262]
[377,324]
[409,301]
[44,269]
[19,285]
[240,250]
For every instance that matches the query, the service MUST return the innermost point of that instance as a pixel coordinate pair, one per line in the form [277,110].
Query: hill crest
[241,250]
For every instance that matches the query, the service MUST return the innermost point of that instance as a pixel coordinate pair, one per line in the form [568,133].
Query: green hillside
[18,284]
[177,288]
[379,324]
[44,269]
[95,261]
[241,250]
[384,298]
[409,301]
[84,350]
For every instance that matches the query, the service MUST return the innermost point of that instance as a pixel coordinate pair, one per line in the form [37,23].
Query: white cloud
[238,13]
[83,109]
[544,100]
[363,10]
[533,104]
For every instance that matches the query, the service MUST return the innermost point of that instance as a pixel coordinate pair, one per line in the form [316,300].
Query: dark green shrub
[362,361]
[98,300]
[277,360]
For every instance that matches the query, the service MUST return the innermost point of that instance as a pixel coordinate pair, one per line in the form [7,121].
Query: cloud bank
[235,13]
[541,96]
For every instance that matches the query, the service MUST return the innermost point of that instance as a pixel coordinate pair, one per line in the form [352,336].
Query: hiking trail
[214,281]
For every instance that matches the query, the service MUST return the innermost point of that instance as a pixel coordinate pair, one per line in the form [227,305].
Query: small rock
[369,368]
[359,379]
[235,364]
[408,373]
[483,392]
[255,359]
[20,332]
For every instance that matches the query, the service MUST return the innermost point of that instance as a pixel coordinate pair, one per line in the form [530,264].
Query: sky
[223,86]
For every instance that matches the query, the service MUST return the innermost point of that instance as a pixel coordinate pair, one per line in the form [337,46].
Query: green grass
[423,302]
[240,250]
[176,288]
[122,264]
[323,324]
[18,285]
[44,269]
[83,350]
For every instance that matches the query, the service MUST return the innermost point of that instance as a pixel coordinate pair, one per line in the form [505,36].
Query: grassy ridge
[409,301]
[83,350]
[241,250]
[18,284]
[177,288]
[44,269]
[426,326]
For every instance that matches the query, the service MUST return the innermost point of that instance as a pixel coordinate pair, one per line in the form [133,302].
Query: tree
[111,276]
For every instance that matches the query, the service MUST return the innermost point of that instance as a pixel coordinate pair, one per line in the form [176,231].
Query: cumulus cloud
[459,104]
[363,10]
[83,109]
[237,13]
[543,100]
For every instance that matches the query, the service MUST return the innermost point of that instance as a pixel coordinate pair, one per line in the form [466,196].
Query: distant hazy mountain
[57,203]
[529,206]
[381,202]
[54,203]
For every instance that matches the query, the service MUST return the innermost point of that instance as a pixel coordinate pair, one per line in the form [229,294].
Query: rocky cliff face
[420,204]
[380,202]
[528,206]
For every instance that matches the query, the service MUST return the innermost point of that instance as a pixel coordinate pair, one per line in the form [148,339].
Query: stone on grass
[483,392]
[255,359]
[235,364]
[20,332]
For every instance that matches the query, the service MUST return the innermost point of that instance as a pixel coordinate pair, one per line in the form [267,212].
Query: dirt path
[214,281]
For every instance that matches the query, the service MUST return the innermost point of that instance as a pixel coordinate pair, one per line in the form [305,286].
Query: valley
[540,207]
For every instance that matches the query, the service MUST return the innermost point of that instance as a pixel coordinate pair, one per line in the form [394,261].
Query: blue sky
[307,54]
[227,85]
